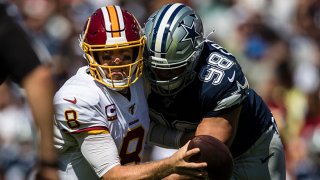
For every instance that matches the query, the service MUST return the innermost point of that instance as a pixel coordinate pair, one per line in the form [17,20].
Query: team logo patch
[191,33]
[111,112]
[73,101]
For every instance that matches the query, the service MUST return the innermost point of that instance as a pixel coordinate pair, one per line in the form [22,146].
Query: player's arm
[102,154]
[223,127]
[174,165]
[40,89]
[22,63]
[221,120]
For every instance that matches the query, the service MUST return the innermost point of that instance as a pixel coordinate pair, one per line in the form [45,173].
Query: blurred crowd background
[277,42]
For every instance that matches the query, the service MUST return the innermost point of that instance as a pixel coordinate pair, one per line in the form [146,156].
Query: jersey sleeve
[100,151]
[79,113]
[233,93]
[228,86]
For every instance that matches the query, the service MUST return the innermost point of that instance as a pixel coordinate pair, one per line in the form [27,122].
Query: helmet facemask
[116,77]
[175,76]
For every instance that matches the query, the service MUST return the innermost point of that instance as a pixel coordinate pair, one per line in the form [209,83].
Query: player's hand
[187,169]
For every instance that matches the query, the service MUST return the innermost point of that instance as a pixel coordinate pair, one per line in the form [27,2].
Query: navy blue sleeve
[223,82]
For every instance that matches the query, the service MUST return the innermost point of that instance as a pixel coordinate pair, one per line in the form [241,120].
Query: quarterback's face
[114,59]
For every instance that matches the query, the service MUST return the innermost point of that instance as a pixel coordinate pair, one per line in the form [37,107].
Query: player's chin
[118,76]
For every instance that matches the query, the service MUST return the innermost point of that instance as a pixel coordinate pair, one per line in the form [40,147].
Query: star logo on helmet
[191,33]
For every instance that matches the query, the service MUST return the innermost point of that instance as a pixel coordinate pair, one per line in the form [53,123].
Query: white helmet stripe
[121,21]
[162,27]
[107,22]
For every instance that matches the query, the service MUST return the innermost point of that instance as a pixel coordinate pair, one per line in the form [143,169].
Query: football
[215,153]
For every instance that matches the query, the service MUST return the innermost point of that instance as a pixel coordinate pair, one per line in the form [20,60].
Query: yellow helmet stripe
[115,25]
[86,30]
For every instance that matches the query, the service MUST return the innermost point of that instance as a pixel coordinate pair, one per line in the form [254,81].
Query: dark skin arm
[223,128]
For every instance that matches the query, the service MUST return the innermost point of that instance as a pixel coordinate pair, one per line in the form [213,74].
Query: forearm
[100,151]
[223,128]
[40,89]
[164,136]
[151,170]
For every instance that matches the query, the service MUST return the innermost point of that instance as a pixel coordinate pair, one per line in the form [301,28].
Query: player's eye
[126,57]
[107,57]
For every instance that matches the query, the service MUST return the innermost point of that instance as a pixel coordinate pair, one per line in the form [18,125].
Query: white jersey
[85,106]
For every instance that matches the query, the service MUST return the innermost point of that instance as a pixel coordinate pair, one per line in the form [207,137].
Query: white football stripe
[121,22]
[106,22]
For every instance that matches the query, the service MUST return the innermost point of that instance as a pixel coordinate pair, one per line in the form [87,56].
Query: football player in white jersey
[101,112]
